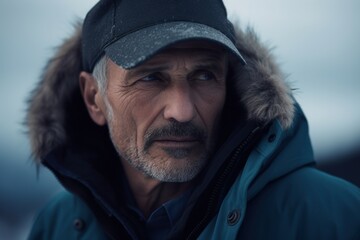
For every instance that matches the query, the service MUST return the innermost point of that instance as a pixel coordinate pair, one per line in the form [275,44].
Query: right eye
[151,78]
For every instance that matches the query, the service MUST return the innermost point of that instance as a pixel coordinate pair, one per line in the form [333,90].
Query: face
[163,115]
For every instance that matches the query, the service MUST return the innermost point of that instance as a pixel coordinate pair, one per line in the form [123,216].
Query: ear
[92,98]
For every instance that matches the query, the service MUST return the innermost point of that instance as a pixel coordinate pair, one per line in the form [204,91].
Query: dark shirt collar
[162,219]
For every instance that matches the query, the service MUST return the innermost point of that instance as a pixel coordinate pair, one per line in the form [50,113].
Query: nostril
[179,106]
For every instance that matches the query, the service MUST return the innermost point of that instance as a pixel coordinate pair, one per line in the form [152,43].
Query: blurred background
[316,42]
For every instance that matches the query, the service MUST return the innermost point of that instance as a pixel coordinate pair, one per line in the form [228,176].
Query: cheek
[121,123]
[122,126]
[136,114]
[211,103]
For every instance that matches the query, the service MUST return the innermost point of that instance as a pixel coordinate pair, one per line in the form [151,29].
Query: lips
[177,141]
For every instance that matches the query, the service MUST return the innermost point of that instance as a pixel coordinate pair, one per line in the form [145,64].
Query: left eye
[150,78]
[204,76]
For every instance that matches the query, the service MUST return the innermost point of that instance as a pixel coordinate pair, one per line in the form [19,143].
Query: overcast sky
[317,43]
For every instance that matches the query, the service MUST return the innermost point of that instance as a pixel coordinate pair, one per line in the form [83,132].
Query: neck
[151,193]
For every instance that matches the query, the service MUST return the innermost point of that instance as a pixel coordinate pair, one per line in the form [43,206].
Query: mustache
[175,129]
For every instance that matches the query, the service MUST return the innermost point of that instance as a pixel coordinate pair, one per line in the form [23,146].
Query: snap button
[233,217]
[272,137]
[79,224]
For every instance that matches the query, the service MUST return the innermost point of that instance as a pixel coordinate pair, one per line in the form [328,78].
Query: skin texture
[162,116]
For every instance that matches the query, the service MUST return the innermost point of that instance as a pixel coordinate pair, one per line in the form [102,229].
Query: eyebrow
[212,60]
[214,66]
[144,70]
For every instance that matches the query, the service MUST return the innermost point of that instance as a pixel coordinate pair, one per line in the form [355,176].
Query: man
[163,122]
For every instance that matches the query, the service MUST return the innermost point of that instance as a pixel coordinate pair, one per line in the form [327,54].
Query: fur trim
[261,85]
[56,114]
[46,111]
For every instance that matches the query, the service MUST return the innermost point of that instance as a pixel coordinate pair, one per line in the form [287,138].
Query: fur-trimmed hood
[56,114]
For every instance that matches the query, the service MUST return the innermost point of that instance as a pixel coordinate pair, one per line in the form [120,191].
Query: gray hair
[100,73]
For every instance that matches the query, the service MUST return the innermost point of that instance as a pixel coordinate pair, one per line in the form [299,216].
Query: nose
[179,104]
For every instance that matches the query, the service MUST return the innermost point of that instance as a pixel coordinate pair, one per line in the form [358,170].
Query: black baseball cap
[131,31]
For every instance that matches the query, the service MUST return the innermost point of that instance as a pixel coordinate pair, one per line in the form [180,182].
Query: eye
[204,75]
[151,77]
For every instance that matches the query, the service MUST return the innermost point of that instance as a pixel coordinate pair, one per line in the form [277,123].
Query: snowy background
[317,43]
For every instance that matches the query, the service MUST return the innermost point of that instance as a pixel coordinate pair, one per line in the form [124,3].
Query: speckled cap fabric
[131,31]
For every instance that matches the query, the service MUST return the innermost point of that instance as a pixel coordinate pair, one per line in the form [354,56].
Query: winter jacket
[260,184]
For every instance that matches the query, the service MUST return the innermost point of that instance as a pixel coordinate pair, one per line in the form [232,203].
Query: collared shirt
[162,219]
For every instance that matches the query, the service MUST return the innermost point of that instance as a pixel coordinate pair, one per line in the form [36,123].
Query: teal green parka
[260,184]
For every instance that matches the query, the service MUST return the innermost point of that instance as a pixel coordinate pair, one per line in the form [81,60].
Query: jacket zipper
[218,187]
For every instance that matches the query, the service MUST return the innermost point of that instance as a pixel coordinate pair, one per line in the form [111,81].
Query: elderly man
[163,122]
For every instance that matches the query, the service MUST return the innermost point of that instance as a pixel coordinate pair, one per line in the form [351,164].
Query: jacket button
[233,217]
[272,137]
[79,224]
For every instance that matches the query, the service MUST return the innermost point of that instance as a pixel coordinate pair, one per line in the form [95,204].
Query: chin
[175,169]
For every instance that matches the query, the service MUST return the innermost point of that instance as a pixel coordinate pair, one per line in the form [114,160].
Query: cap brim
[137,47]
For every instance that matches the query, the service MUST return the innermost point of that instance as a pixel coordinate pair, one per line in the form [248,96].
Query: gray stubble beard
[161,170]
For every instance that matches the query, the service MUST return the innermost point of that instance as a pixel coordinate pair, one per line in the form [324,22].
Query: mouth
[177,142]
